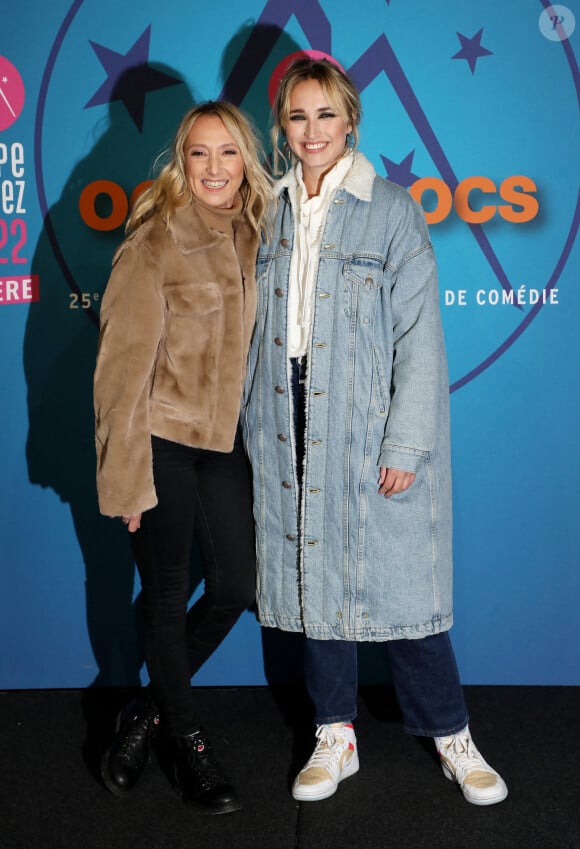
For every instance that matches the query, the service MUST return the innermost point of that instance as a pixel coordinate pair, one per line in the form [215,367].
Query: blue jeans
[424,674]
[424,671]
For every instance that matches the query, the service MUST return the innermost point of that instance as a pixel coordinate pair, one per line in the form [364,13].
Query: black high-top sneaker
[199,778]
[124,761]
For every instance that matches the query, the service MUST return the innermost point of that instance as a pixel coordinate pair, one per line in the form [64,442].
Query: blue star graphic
[400,172]
[129,78]
[471,49]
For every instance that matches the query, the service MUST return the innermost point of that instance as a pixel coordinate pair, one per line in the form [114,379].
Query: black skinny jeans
[204,495]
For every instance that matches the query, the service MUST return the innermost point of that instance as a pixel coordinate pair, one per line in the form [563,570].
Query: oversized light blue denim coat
[360,566]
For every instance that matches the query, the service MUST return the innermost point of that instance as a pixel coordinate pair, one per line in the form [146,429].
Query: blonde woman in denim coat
[347,429]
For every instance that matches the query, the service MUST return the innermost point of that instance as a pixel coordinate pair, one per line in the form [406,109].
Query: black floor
[52,797]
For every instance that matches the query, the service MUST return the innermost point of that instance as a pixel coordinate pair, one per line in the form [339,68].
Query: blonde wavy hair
[338,88]
[171,188]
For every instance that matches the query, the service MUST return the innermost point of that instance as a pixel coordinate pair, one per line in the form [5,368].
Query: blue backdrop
[474,107]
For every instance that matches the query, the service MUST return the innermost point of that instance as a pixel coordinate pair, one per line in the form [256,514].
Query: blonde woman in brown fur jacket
[176,321]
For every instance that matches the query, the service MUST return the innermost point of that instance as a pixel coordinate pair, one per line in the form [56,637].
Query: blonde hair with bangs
[338,88]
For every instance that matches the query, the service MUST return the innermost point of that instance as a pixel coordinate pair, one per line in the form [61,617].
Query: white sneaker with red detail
[463,763]
[335,758]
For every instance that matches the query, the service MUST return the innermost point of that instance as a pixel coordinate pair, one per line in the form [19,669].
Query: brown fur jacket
[176,321]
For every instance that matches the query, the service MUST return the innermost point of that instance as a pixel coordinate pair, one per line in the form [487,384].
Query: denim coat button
[279,342]
[286,485]
[284,242]
[279,292]
[282,437]
[280,390]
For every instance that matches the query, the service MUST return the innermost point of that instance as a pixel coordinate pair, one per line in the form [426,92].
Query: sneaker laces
[135,728]
[463,762]
[202,761]
[463,754]
[325,750]
[133,739]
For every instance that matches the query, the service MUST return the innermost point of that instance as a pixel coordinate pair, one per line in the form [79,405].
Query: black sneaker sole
[230,808]
[203,808]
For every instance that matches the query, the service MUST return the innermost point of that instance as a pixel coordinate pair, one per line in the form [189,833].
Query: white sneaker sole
[499,795]
[325,789]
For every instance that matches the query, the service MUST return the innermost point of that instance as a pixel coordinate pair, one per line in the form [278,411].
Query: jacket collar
[358,181]
[190,232]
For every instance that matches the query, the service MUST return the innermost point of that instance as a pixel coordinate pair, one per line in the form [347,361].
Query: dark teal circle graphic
[53,236]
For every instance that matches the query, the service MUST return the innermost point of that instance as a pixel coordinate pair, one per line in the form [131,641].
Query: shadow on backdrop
[60,348]
[248,62]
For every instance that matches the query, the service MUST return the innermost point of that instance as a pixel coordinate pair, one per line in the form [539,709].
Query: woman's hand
[392,481]
[133,522]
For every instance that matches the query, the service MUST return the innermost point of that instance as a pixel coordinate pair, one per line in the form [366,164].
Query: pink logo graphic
[11,93]
[283,66]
